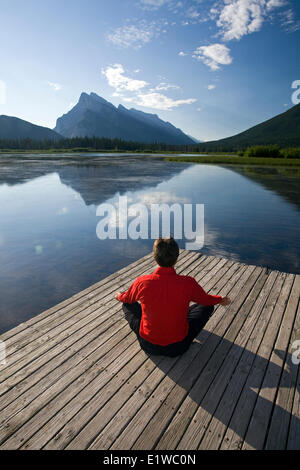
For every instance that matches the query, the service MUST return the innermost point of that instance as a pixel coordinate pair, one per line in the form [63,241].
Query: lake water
[48,244]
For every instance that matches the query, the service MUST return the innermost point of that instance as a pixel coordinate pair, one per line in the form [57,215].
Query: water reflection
[284,181]
[48,244]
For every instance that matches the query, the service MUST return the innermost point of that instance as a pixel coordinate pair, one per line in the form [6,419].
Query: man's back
[165,296]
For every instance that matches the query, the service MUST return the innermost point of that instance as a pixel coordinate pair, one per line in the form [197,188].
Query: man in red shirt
[163,321]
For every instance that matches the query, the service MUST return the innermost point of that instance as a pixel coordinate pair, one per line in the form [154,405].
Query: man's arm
[130,296]
[199,296]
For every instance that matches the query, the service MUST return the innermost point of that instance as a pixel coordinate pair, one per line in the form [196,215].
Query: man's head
[165,252]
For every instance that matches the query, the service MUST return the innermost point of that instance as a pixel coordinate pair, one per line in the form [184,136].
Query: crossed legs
[198,316]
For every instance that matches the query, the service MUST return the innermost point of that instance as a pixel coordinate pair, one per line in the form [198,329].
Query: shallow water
[49,249]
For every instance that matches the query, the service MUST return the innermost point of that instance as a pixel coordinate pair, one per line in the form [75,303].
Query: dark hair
[165,252]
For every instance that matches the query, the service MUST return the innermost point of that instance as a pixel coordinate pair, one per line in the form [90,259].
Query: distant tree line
[102,143]
[91,143]
[81,144]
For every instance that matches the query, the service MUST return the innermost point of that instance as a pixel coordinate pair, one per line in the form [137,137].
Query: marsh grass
[236,160]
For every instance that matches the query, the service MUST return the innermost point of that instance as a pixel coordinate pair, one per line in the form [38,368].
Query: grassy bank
[235,160]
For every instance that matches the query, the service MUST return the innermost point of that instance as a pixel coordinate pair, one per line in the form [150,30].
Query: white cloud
[289,22]
[135,36]
[130,90]
[213,56]
[116,79]
[2,92]
[211,87]
[160,101]
[275,3]
[165,86]
[181,54]
[55,86]
[238,18]
[192,12]
[152,4]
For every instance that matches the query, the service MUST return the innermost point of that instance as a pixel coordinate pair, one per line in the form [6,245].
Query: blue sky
[211,67]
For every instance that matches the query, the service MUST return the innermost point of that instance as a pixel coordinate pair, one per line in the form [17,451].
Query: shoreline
[213,158]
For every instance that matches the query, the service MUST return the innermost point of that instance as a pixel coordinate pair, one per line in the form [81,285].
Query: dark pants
[198,316]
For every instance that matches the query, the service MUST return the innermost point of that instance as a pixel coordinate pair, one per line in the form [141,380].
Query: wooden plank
[278,431]
[34,371]
[85,382]
[38,438]
[258,426]
[216,429]
[221,365]
[133,430]
[159,421]
[106,354]
[227,289]
[184,414]
[111,397]
[96,309]
[120,420]
[234,436]
[112,308]
[26,423]
[199,264]
[113,429]
[15,400]
[69,428]
[199,261]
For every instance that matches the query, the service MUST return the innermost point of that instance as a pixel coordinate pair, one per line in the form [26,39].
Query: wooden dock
[76,378]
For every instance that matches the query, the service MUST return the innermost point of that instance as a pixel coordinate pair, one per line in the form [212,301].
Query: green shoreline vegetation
[236,160]
[256,155]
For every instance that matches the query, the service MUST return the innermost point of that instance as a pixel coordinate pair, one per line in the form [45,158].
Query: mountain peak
[94,116]
[83,96]
[92,98]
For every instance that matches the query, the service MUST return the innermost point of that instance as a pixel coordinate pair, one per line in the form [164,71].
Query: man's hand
[225,301]
[117,295]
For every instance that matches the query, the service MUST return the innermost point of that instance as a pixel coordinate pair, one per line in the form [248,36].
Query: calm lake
[49,249]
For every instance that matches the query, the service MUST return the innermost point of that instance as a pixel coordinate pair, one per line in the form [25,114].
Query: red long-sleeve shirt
[165,296]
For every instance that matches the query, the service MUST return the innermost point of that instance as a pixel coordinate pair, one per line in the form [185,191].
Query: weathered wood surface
[76,378]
